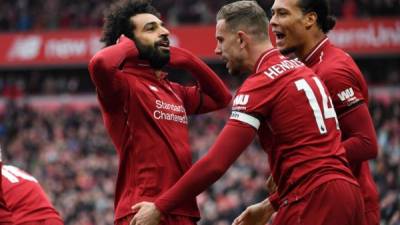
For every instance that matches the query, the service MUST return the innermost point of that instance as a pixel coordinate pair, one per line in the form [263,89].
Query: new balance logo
[241,100]
[346,94]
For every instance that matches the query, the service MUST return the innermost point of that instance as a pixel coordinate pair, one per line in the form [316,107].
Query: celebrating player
[300,27]
[144,113]
[289,108]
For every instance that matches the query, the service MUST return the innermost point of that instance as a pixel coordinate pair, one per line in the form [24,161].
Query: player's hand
[147,214]
[271,186]
[257,214]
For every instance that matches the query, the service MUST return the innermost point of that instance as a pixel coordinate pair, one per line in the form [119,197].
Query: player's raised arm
[214,93]
[105,64]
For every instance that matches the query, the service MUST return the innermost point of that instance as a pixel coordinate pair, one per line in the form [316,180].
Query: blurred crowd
[70,153]
[14,83]
[24,15]
[386,169]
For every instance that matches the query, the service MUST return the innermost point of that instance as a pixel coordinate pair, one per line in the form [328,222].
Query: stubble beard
[239,69]
[157,57]
[288,51]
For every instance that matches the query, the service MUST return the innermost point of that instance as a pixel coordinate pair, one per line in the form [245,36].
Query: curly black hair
[117,19]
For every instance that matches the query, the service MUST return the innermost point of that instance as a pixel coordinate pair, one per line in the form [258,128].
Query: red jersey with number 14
[296,122]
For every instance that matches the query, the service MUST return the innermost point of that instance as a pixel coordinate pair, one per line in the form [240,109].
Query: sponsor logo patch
[346,94]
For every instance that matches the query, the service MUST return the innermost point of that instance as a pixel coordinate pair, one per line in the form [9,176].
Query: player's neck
[311,42]
[257,51]
[159,73]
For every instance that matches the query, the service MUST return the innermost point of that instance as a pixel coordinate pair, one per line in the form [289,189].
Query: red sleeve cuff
[274,200]
[160,207]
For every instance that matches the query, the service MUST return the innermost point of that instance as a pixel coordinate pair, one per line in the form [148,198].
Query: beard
[238,68]
[235,71]
[157,57]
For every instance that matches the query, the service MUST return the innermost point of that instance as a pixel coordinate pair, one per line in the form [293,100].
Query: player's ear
[310,19]
[243,39]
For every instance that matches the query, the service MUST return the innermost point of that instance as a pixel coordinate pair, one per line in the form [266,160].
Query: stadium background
[50,124]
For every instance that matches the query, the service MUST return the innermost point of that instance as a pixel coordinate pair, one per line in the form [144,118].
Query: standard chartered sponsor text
[163,105]
[160,114]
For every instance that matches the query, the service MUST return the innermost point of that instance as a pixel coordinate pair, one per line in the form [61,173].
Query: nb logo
[346,94]
[241,100]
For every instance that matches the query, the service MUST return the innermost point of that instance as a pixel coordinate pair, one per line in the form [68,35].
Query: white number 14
[329,112]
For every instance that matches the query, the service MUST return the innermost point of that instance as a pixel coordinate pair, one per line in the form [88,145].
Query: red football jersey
[296,122]
[146,117]
[287,105]
[5,214]
[25,197]
[348,89]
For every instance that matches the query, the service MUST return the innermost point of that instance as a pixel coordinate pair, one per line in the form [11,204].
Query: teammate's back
[337,69]
[26,199]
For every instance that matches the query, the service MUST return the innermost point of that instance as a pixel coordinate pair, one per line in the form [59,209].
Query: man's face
[151,39]
[228,47]
[287,24]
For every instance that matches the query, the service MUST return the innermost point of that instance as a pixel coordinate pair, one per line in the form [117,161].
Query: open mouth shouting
[280,37]
[163,44]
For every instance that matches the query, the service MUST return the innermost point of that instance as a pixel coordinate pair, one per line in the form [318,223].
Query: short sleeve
[345,89]
[252,103]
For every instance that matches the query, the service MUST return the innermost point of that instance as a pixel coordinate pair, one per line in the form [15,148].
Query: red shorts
[373,217]
[45,222]
[332,203]
[166,220]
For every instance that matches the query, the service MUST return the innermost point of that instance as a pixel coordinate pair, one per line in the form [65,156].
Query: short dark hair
[117,19]
[325,20]
[245,15]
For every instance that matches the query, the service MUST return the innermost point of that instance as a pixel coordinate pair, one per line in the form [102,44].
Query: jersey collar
[142,68]
[313,56]
[264,57]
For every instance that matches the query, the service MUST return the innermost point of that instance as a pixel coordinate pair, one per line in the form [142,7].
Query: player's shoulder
[278,67]
[255,85]
[340,73]
[253,80]
[338,58]
[335,62]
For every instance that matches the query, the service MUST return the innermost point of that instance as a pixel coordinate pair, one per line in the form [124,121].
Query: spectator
[25,15]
